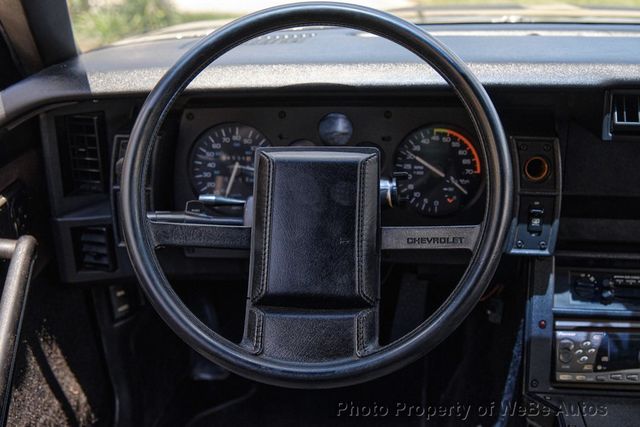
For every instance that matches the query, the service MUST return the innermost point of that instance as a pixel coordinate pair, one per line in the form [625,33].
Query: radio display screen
[624,351]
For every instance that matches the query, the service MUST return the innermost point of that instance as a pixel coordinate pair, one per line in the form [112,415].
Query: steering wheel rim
[426,336]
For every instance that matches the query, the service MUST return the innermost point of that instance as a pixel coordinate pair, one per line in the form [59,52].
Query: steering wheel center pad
[315,254]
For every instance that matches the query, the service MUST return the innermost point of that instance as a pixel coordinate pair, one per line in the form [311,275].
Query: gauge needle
[426,164]
[457,184]
[234,172]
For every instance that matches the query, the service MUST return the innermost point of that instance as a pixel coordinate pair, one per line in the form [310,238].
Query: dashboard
[431,153]
[555,94]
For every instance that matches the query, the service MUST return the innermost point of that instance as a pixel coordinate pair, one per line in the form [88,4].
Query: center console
[583,337]
[598,348]
[582,323]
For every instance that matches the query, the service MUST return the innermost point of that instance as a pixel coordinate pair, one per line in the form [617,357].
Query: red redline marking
[467,143]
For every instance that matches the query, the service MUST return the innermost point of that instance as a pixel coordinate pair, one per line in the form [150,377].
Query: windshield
[101,22]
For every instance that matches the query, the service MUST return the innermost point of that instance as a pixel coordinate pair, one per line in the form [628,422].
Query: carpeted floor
[60,379]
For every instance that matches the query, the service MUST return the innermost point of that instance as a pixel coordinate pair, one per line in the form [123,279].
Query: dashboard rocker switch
[534,220]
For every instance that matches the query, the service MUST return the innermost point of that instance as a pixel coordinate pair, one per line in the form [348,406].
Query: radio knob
[566,345]
[607,296]
[565,356]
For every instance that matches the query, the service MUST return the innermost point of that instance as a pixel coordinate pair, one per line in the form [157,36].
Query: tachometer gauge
[444,170]
[221,160]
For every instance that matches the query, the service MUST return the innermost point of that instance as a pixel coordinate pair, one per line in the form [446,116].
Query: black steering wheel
[307,325]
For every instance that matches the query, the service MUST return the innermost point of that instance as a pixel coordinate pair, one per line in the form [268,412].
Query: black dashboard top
[504,55]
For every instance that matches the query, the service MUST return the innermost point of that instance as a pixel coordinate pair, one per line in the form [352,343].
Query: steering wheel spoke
[452,237]
[165,233]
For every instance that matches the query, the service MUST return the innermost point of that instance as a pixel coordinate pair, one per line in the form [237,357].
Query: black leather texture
[315,254]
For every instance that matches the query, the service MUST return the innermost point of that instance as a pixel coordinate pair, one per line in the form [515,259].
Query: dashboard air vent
[93,248]
[625,111]
[81,140]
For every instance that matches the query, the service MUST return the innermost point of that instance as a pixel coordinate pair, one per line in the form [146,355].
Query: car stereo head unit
[597,352]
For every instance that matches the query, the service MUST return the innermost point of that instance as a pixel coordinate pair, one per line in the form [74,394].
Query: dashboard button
[586,344]
[632,377]
[583,359]
[616,377]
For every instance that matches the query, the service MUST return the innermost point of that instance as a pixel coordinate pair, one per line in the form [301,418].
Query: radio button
[586,344]
[565,356]
[601,377]
[591,351]
[616,377]
[565,377]
[583,359]
[581,377]
[579,352]
[632,377]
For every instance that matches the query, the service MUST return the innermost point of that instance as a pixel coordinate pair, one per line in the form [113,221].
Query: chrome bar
[22,253]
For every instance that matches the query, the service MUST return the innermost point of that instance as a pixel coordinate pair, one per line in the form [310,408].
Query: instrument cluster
[433,153]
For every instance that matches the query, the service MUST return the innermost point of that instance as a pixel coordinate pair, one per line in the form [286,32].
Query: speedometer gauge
[221,160]
[444,170]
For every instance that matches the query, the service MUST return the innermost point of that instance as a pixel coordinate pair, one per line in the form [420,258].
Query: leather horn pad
[314,281]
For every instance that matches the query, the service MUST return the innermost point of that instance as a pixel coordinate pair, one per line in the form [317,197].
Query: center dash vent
[81,140]
[625,111]
[93,248]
